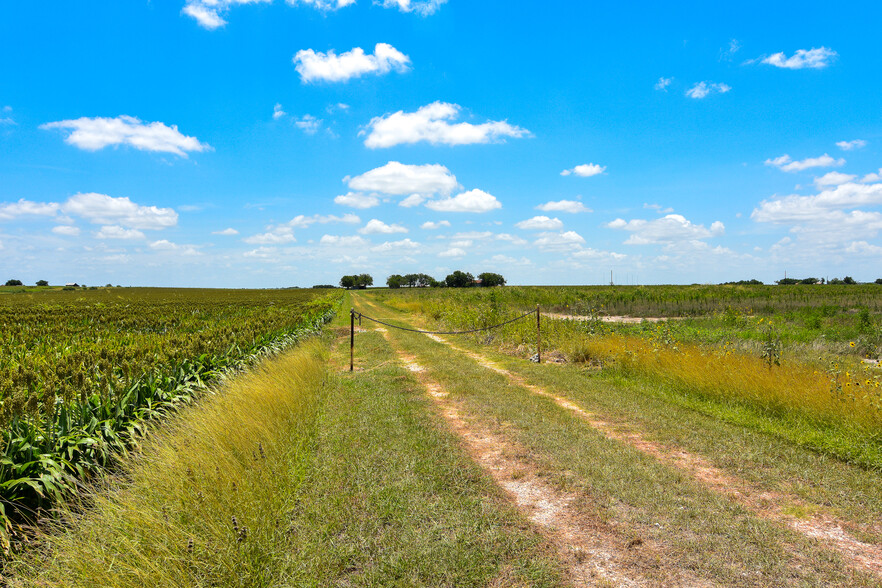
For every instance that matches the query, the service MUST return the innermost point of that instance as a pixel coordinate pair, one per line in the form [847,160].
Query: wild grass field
[733,446]
[786,359]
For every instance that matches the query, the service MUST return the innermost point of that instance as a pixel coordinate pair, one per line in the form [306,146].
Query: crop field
[735,438]
[82,371]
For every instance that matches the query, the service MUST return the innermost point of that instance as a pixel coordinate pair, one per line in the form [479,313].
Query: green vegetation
[624,491]
[294,476]
[359,281]
[80,377]
[792,368]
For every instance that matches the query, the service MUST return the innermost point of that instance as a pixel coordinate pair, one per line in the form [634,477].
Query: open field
[660,454]
[82,371]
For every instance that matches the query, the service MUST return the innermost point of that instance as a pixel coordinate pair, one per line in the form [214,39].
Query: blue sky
[234,143]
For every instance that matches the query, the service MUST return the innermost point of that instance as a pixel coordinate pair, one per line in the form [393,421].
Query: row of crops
[83,373]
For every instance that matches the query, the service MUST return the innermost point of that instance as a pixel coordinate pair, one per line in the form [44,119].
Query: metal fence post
[351,339]
[538,336]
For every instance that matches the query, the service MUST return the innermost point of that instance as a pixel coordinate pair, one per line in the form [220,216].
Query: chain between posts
[353,314]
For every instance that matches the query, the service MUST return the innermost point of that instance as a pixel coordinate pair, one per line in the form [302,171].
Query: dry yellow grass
[840,394]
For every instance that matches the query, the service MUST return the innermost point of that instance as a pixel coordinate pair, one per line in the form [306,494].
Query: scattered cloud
[329,67]
[226,232]
[785,163]
[658,208]
[453,252]
[412,200]
[301,222]
[471,201]
[586,170]
[669,229]
[833,179]
[851,145]
[357,200]
[103,209]
[395,246]
[5,119]
[560,241]
[812,58]
[118,232]
[873,177]
[278,112]
[733,48]
[423,8]
[13,210]
[540,223]
[570,206]
[275,235]
[663,83]
[344,241]
[432,124]
[378,227]
[704,89]
[400,179]
[431,226]
[66,230]
[308,124]
[93,134]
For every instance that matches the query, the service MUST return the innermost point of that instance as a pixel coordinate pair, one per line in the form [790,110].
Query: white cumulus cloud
[226,232]
[104,209]
[301,221]
[568,240]
[432,124]
[278,112]
[378,227]
[471,201]
[669,229]
[833,179]
[93,134]
[785,163]
[812,58]
[421,7]
[851,145]
[400,179]
[329,67]
[396,246]
[570,206]
[118,232]
[453,252]
[586,170]
[540,223]
[66,230]
[275,235]
[704,89]
[357,200]
[663,83]
[12,210]
[354,241]
[431,226]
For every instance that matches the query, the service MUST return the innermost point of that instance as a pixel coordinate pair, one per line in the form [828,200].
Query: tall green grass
[208,501]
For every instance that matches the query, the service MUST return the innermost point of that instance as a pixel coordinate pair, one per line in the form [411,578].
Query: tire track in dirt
[769,505]
[592,551]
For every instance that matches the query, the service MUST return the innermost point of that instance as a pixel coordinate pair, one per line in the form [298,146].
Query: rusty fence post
[351,339]
[538,336]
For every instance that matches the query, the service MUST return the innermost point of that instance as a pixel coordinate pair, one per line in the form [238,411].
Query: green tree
[362,281]
[489,279]
[14,283]
[42,283]
[347,282]
[394,281]
[460,279]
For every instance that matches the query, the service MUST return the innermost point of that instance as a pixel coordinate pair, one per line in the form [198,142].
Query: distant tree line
[847,280]
[360,281]
[458,279]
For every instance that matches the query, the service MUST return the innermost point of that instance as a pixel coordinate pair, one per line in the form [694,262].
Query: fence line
[353,314]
